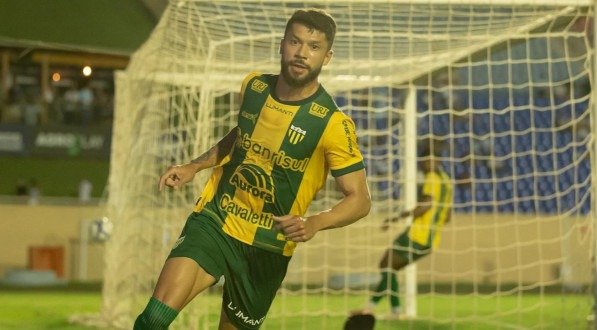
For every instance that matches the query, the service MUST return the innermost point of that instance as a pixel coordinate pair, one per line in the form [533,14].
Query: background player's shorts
[252,275]
[409,250]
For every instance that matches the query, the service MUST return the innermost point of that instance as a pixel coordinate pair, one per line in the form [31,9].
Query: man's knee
[181,279]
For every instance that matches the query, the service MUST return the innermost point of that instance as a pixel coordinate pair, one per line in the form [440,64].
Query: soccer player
[267,170]
[432,212]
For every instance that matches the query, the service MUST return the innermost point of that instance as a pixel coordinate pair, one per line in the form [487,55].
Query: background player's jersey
[426,229]
[281,158]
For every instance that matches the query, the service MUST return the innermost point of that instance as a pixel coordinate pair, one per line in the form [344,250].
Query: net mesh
[502,90]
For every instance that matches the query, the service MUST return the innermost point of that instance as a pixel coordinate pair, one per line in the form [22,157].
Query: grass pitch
[45,310]
[51,310]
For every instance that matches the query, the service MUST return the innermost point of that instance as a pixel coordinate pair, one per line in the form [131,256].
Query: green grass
[50,310]
[56,177]
[45,310]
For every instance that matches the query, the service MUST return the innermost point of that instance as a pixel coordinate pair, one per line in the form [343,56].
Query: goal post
[503,87]
[410,190]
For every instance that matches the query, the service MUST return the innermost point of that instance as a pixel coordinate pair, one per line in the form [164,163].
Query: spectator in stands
[34,192]
[50,103]
[432,212]
[562,93]
[86,103]
[33,113]
[13,112]
[582,93]
[71,106]
[561,103]
[578,46]
[441,93]
[85,189]
[570,107]
[103,105]
[21,188]
[483,154]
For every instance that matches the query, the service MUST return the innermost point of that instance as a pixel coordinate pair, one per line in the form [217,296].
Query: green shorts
[409,250]
[252,275]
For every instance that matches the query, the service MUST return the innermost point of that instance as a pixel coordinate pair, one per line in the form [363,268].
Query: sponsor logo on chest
[318,110]
[249,116]
[279,109]
[258,86]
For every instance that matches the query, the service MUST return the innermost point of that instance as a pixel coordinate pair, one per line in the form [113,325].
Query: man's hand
[177,175]
[295,228]
[405,214]
[386,223]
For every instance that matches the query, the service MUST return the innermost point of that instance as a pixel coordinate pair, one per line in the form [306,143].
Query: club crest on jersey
[318,110]
[258,86]
[296,134]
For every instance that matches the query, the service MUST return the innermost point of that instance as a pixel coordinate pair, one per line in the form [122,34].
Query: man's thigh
[408,251]
[203,241]
[180,280]
[251,285]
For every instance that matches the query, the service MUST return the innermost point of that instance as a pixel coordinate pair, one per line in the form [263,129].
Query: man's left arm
[355,204]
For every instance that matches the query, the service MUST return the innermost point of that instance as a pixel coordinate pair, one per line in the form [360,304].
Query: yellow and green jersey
[281,158]
[426,229]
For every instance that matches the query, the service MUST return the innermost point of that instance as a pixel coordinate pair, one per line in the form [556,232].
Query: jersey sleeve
[432,184]
[248,78]
[243,88]
[340,144]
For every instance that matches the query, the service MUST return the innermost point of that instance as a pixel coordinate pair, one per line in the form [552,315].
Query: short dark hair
[317,19]
[425,152]
[430,148]
[425,148]
[360,322]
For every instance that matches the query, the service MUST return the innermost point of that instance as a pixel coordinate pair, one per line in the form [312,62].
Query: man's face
[426,164]
[304,52]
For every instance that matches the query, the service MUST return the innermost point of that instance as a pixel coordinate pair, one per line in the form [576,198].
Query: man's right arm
[178,175]
[423,205]
[217,154]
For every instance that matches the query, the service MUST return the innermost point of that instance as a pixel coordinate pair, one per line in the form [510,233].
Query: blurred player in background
[432,212]
[250,216]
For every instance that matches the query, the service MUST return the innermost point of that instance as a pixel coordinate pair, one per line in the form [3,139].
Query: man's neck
[285,92]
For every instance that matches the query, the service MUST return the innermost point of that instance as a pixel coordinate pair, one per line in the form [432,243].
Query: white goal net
[503,88]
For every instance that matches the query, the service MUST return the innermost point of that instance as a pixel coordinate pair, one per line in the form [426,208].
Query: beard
[297,82]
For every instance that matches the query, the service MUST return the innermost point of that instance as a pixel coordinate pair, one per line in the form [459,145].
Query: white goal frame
[365,75]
